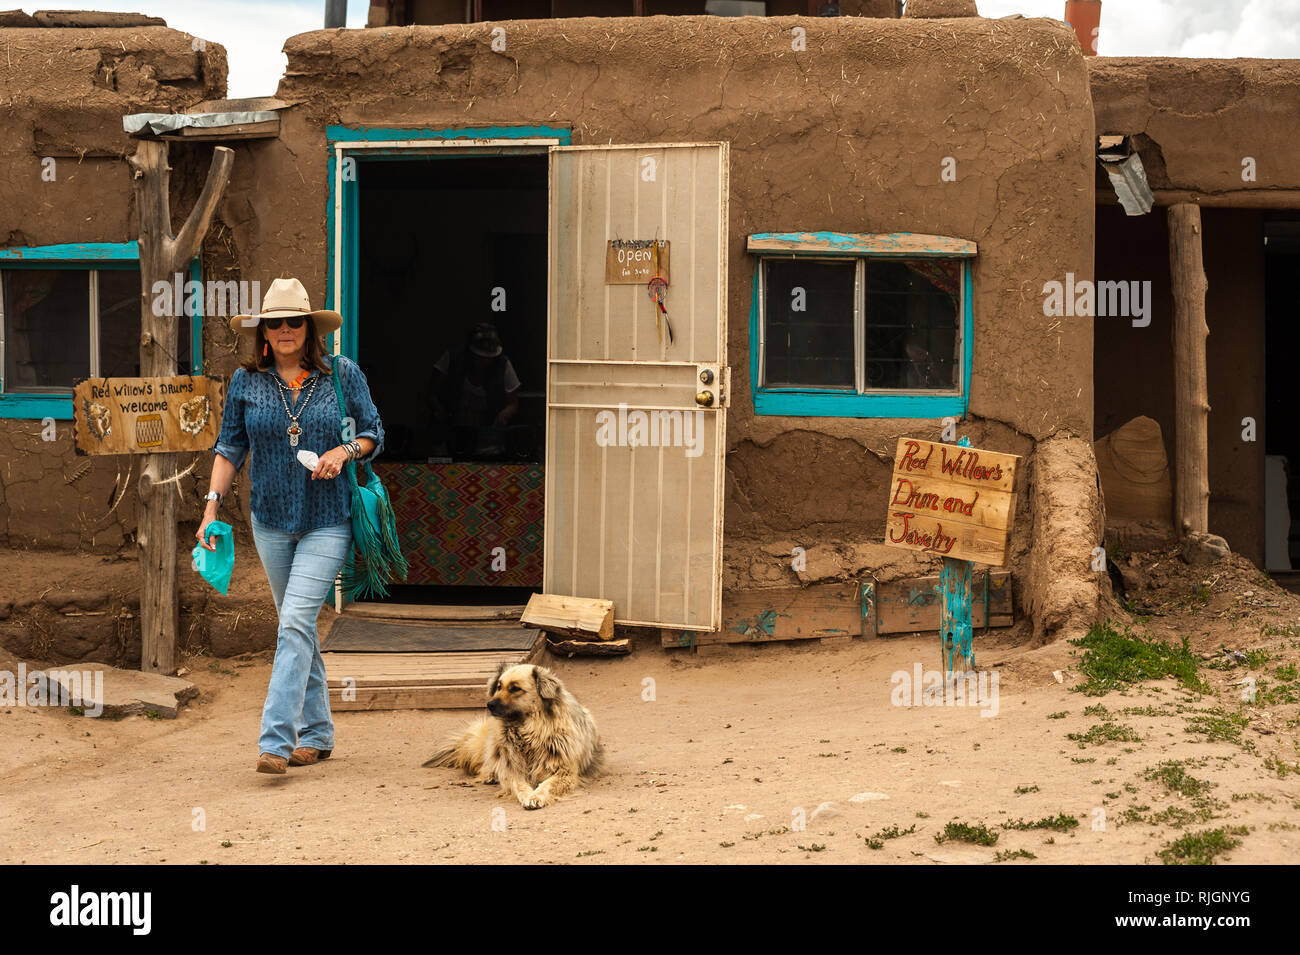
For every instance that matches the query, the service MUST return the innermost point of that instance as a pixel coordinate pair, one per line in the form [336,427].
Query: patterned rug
[453,517]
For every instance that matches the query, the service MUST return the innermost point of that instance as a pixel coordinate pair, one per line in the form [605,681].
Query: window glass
[46,327]
[910,339]
[119,326]
[808,310]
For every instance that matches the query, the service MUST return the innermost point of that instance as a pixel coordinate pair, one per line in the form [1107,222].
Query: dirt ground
[774,754]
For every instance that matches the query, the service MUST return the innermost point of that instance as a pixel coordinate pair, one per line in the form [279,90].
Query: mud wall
[1201,118]
[849,135]
[1134,372]
[65,92]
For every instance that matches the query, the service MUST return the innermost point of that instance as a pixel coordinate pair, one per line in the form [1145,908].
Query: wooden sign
[632,261]
[146,415]
[952,501]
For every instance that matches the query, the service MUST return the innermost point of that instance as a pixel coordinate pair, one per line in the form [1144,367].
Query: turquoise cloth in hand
[215,566]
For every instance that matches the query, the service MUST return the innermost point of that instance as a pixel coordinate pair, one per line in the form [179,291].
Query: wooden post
[1191,393]
[955,636]
[955,632]
[162,255]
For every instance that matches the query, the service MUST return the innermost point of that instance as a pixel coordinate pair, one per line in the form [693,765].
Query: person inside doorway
[475,394]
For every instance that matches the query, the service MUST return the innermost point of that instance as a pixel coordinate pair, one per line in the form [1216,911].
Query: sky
[253,31]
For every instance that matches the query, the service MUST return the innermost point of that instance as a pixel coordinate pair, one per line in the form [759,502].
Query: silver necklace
[294,431]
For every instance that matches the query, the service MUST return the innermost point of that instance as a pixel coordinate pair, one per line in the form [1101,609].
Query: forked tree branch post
[162,255]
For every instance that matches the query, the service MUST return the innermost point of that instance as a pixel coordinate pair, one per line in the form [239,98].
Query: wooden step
[443,613]
[422,681]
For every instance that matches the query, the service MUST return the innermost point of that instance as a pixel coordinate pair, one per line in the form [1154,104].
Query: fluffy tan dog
[539,742]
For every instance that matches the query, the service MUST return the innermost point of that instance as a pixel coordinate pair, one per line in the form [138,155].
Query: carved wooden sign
[952,501]
[146,415]
[633,261]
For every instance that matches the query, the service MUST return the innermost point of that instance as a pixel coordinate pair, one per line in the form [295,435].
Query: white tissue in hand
[308,459]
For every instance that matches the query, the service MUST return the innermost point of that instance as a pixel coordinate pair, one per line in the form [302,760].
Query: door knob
[704,398]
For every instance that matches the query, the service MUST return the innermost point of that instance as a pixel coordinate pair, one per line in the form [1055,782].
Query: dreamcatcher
[657,288]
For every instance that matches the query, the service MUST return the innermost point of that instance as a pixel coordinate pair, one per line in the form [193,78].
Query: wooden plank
[887,245]
[956,503]
[580,617]
[466,697]
[447,613]
[974,467]
[373,635]
[265,129]
[591,648]
[912,605]
[632,261]
[251,104]
[939,536]
[763,616]
[950,500]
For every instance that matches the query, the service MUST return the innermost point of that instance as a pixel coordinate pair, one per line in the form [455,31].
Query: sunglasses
[271,324]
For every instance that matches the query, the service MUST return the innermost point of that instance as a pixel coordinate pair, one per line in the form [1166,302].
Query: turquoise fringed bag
[376,556]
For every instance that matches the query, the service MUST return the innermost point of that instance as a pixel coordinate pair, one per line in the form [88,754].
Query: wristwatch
[213,496]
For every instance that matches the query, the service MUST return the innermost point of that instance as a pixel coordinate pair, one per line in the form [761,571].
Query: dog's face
[518,691]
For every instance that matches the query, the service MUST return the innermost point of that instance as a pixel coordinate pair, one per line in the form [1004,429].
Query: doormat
[380,636]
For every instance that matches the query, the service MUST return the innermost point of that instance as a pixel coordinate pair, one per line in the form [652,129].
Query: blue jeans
[301,569]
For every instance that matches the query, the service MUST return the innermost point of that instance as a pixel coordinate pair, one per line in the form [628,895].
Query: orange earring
[263,349]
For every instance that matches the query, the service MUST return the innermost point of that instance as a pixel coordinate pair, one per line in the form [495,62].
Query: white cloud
[1203,28]
[253,31]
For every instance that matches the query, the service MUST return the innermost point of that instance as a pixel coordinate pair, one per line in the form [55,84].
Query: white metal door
[635,424]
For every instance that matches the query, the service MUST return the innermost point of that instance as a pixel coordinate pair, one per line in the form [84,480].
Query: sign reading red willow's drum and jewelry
[146,415]
[952,501]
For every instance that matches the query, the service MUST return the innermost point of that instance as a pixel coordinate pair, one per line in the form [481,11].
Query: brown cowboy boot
[270,763]
[305,756]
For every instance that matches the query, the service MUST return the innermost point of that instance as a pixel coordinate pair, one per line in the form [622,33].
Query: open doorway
[451,331]
[1282,429]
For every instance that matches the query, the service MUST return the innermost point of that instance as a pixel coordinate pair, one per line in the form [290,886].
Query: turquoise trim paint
[373,134]
[59,255]
[349,204]
[814,403]
[32,406]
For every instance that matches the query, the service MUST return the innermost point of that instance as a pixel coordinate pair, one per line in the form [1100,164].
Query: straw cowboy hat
[284,299]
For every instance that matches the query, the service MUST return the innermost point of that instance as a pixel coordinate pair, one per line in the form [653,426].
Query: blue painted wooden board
[898,245]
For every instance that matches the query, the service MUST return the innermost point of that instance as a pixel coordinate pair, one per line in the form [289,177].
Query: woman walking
[281,402]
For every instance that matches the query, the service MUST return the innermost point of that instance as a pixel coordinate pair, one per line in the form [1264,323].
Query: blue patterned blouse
[283,495]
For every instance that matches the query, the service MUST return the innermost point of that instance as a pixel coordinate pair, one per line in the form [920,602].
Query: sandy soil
[721,766]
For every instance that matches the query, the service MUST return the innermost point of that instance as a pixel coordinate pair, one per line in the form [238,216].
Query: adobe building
[1214,136]
[919,179]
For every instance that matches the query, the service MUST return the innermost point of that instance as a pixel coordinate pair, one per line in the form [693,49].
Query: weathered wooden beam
[897,244]
[584,618]
[591,648]
[1191,393]
[1235,198]
[161,257]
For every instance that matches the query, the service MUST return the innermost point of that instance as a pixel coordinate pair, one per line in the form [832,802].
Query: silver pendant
[294,431]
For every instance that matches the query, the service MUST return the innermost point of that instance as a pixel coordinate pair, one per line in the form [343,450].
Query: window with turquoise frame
[861,325]
[69,312]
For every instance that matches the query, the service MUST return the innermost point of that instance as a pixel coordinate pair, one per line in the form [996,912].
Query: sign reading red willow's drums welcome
[952,501]
[146,415]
